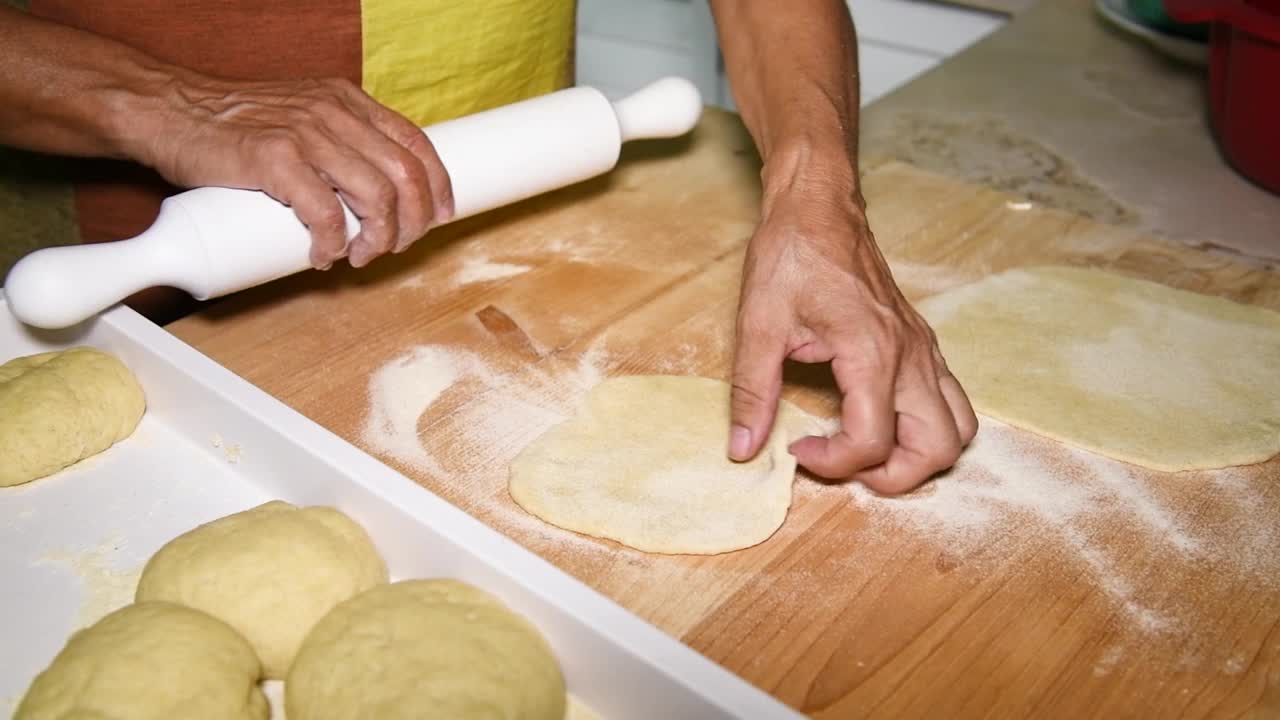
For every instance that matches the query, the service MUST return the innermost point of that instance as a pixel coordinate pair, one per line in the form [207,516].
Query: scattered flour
[473,270]
[476,270]
[1010,489]
[230,451]
[1107,662]
[104,588]
[503,409]
[503,413]
[399,392]
[412,282]
[1004,488]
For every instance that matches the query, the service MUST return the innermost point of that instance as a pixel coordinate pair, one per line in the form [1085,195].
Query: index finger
[410,136]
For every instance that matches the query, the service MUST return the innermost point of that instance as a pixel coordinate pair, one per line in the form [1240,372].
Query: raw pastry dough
[1136,371]
[644,463]
[150,661]
[270,572]
[424,649]
[57,408]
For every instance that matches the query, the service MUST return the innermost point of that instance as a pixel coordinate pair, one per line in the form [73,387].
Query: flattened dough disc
[1137,371]
[643,463]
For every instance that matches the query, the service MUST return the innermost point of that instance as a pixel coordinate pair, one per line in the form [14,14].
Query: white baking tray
[211,444]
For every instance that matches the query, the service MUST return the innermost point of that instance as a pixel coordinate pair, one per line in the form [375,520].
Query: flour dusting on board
[1004,494]
[1012,495]
[482,269]
[398,393]
[504,410]
[499,413]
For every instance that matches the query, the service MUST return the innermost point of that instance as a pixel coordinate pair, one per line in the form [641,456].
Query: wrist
[822,172]
[140,110]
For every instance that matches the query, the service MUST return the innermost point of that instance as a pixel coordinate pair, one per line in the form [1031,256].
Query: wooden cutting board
[1033,580]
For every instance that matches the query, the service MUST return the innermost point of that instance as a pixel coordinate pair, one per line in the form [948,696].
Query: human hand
[300,141]
[816,289]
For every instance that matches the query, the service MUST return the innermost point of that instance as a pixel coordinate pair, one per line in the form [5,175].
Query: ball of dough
[150,661]
[270,572]
[58,408]
[425,649]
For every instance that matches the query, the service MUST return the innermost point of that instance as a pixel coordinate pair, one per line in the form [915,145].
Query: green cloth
[36,208]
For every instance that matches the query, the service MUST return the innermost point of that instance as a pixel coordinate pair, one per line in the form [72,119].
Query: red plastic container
[1244,80]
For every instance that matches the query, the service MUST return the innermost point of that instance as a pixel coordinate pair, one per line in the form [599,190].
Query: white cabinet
[624,44]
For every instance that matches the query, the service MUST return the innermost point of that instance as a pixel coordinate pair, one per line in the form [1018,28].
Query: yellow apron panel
[433,60]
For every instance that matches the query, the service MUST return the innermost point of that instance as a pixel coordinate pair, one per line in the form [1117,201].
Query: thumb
[757,383]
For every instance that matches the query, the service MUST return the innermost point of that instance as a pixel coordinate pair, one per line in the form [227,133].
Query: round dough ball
[58,408]
[270,572]
[425,649]
[150,661]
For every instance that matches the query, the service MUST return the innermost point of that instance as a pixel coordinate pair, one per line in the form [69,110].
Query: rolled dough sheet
[1137,371]
[643,463]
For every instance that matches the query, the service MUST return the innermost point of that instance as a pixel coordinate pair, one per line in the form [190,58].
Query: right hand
[300,141]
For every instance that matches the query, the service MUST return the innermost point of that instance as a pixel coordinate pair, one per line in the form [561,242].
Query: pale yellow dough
[644,463]
[1136,371]
[150,661]
[58,408]
[270,572]
[425,649]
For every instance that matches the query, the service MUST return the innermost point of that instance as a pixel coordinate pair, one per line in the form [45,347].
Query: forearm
[794,71]
[71,92]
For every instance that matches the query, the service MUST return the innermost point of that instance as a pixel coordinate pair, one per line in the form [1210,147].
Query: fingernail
[739,443]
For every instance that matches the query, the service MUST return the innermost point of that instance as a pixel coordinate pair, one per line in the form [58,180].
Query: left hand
[815,288]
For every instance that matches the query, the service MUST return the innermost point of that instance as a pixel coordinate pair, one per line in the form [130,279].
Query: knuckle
[407,171]
[892,483]
[875,449]
[279,146]
[338,85]
[968,429]
[755,325]
[416,141]
[331,218]
[443,192]
[745,397]
[941,455]
[383,195]
[323,116]
[870,364]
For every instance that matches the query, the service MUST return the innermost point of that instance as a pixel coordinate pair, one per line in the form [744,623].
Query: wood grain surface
[1031,581]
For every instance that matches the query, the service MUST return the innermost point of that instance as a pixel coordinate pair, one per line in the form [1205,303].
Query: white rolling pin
[214,241]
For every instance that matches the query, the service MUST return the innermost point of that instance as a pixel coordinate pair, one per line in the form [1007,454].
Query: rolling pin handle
[60,286]
[669,107]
